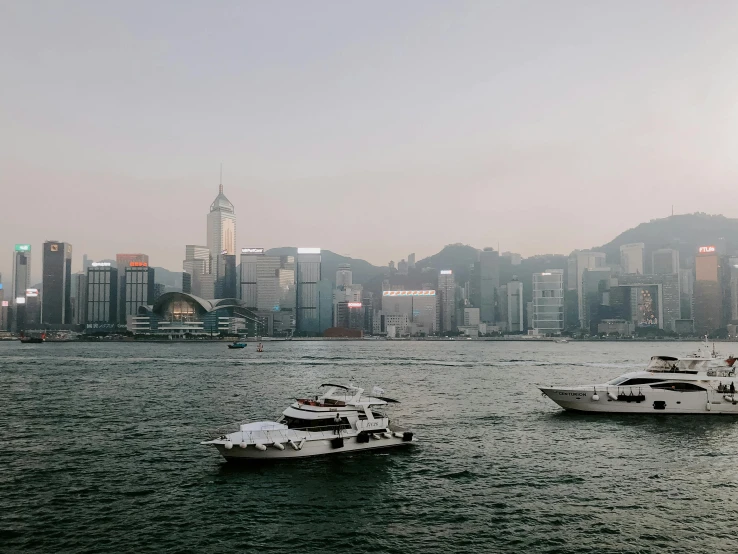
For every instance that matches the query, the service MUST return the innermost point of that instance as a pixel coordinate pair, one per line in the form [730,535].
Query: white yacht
[698,384]
[340,420]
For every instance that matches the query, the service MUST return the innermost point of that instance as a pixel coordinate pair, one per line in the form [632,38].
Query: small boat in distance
[340,420]
[32,339]
[237,344]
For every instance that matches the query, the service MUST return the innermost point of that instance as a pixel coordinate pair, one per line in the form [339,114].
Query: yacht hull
[652,401]
[320,447]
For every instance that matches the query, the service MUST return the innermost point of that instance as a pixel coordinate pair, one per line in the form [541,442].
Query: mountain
[457,257]
[362,270]
[685,233]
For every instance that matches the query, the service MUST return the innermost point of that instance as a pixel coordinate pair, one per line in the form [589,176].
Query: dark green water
[99,453]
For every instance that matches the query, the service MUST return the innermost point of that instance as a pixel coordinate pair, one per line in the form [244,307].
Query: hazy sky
[373,129]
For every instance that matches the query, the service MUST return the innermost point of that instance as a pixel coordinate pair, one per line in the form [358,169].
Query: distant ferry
[32,340]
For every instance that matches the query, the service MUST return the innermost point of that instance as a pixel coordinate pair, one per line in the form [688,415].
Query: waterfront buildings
[708,303]
[733,288]
[419,306]
[267,288]
[56,306]
[21,277]
[631,258]
[447,298]
[548,302]
[102,296]
[221,239]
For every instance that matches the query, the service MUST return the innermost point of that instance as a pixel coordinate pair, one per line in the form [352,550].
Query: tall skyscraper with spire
[221,240]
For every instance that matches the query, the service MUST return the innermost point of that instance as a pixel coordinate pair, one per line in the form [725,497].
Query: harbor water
[99,453]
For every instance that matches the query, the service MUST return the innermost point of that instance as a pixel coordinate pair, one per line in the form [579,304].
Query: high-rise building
[595,284]
[308,296]
[21,277]
[56,305]
[646,300]
[515,259]
[665,261]
[579,261]
[488,274]
[344,276]
[350,315]
[447,298]
[197,264]
[123,261]
[139,287]
[732,308]
[707,290]
[102,295]
[686,289]
[221,239]
[411,261]
[32,308]
[515,319]
[267,288]
[402,267]
[80,308]
[631,258]
[419,306]
[548,302]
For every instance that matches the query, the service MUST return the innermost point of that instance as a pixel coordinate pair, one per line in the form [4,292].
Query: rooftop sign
[5,303]
[31,293]
[409,293]
[308,250]
[706,249]
[22,247]
[252,250]
[20,300]
[139,264]
[100,264]
[354,304]
[446,272]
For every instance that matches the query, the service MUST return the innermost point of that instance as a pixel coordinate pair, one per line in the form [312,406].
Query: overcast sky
[373,129]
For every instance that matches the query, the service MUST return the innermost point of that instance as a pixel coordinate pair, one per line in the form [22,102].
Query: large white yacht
[702,383]
[340,420]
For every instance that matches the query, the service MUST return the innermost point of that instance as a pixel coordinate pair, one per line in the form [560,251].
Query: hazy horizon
[372,130]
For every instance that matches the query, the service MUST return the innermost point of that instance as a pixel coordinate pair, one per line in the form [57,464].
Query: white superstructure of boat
[698,384]
[342,419]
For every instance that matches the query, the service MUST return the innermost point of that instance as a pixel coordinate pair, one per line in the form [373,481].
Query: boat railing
[280,435]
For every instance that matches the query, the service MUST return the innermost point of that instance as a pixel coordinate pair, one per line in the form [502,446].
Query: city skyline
[326,123]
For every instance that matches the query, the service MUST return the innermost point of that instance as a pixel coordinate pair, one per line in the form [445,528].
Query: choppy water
[99,453]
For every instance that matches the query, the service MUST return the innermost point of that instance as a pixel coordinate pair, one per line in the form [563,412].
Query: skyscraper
[221,239]
[411,261]
[578,262]
[139,288]
[102,295]
[548,302]
[344,276]
[56,308]
[489,284]
[707,290]
[515,319]
[122,262]
[21,277]
[665,261]
[308,297]
[447,297]
[631,258]
[197,264]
